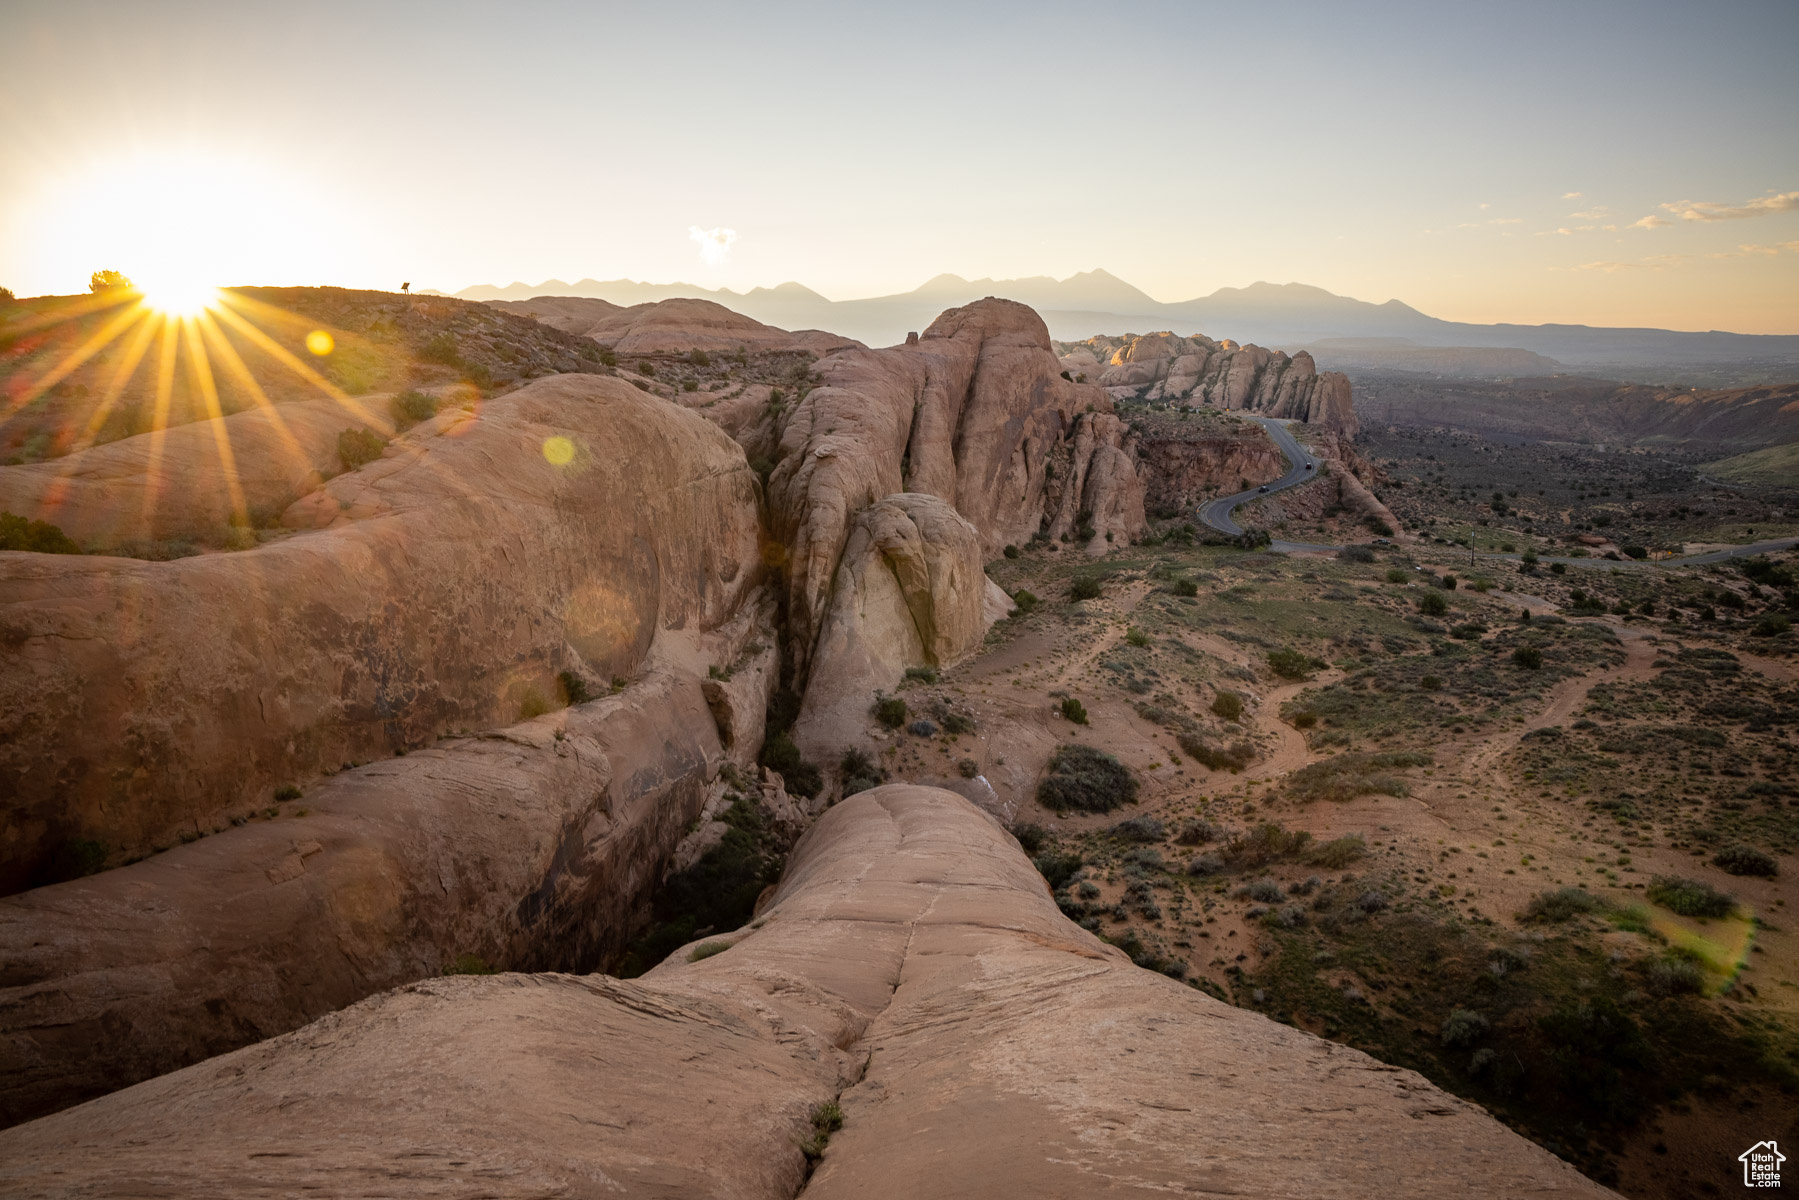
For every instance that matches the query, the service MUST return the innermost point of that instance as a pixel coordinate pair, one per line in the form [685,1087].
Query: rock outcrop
[911,967]
[1161,366]
[442,587]
[972,412]
[910,591]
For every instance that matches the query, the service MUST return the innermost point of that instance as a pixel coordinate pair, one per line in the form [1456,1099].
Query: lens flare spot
[559,450]
[320,342]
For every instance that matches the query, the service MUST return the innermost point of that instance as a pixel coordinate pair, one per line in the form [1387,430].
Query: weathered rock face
[444,586]
[530,848]
[1098,486]
[1161,366]
[912,965]
[1178,472]
[970,413]
[910,591]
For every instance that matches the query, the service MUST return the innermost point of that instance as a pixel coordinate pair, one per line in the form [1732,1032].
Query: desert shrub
[411,407]
[1204,865]
[1228,705]
[922,728]
[1234,757]
[442,349]
[1689,897]
[1139,829]
[6,295]
[779,754]
[1528,657]
[649,369]
[608,357]
[1396,575]
[856,761]
[286,792]
[359,447]
[1304,719]
[1746,860]
[1356,554]
[1372,901]
[1136,637]
[1772,625]
[1084,587]
[955,722]
[967,768]
[574,688]
[1638,552]
[1058,867]
[1338,852]
[1675,975]
[699,358]
[1074,710]
[1347,776]
[1431,683]
[1086,780]
[39,537]
[1031,837]
[890,711]
[826,1119]
[1289,663]
[1432,604]
[707,950]
[1011,551]
[468,964]
[1264,844]
[1447,583]
[1562,904]
[1287,916]
[1025,600]
[1196,832]
[1463,1027]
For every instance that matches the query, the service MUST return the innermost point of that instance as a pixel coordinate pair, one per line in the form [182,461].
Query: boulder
[442,587]
[911,967]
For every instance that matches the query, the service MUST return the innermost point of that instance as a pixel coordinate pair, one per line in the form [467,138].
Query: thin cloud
[1572,195]
[1650,222]
[1592,214]
[715,244]
[1506,221]
[1761,206]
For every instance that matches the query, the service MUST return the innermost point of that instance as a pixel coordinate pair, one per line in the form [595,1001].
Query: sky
[1580,161]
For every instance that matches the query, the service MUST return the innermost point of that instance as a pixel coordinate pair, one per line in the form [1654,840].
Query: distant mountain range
[1284,316]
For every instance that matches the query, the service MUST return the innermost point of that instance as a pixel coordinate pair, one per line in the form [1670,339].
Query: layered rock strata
[912,967]
[1161,366]
[444,586]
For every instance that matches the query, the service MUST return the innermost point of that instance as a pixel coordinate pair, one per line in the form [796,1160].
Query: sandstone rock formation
[911,966]
[1161,366]
[190,482]
[450,583]
[910,591]
[971,413]
[670,326]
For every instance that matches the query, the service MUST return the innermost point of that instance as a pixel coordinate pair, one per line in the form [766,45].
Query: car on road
[1308,466]
[1263,488]
[1382,542]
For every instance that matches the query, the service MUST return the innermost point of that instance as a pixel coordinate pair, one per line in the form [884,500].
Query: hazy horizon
[1619,165]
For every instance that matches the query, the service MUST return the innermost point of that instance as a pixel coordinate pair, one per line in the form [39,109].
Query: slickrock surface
[1161,366]
[670,326]
[531,847]
[443,586]
[911,960]
[177,486]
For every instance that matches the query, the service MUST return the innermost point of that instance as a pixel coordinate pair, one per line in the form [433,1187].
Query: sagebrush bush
[1074,710]
[1139,829]
[1432,604]
[1463,1027]
[1289,663]
[1084,587]
[1339,852]
[1233,758]
[1562,904]
[1228,705]
[1746,860]
[359,447]
[38,537]
[411,407]
[1689,897]
[1086,780]
[890,711]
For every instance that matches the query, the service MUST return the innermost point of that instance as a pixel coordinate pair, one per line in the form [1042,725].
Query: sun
[173,295]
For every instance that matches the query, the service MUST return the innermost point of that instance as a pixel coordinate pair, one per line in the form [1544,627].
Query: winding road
[1302,467]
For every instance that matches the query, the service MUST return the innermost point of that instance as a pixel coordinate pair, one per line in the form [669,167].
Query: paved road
[1217,514]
